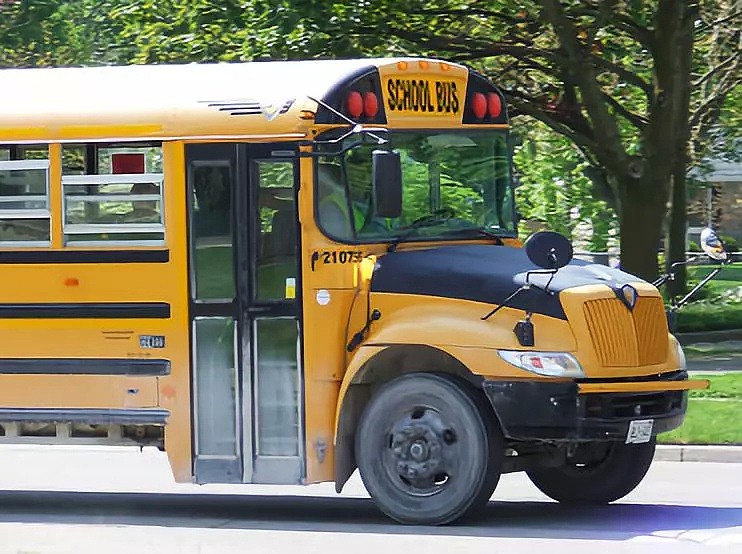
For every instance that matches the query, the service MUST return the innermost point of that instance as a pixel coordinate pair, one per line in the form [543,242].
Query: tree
[555,189]
[631,83]
[612,76]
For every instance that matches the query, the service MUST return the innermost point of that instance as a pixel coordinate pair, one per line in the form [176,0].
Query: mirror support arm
[693,291]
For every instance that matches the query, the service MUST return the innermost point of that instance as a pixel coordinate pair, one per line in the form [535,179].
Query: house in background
[718,201]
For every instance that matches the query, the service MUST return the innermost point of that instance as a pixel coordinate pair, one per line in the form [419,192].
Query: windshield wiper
[489,234]
[430,220]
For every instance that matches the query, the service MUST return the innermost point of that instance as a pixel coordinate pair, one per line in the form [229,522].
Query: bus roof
[140,102]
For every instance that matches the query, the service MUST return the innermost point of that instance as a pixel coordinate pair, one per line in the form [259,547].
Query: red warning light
[494,104]
[354,104]
[370,104]
[479,105]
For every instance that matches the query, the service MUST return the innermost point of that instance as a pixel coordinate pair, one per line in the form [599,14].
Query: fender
[418,333]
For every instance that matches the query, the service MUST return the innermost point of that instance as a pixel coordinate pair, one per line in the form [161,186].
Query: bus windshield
[455,184]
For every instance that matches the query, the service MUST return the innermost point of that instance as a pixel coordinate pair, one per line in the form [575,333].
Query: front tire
[599,473]
[428,450]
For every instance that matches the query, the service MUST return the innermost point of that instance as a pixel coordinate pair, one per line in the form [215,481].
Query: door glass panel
[277,388]
[211,228]
[216,386]
[276,263]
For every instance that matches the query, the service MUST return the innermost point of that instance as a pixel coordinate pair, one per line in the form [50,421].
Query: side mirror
[712,245]
[549,250]
[386,174]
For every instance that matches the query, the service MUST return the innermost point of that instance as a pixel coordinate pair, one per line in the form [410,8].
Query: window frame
[69,229]
[330,138]
[35,213]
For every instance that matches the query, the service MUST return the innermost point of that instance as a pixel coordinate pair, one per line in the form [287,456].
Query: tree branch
[624,73]
[620,21]
[531,106]
[714,70]
[725,19]
[636,120]
[582,73]
[468,12]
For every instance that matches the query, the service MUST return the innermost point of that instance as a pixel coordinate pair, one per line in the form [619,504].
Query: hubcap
[421,450]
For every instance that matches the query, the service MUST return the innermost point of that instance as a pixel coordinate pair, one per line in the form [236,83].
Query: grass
[714,414]
[717,306]
[708,422]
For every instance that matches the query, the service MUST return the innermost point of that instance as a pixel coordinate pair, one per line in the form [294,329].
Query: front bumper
[589,410]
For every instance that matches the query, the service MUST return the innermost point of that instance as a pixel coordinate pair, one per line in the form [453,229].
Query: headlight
[553,364]
[681,355]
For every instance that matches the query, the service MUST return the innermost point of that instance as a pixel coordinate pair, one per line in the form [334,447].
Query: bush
[709,316]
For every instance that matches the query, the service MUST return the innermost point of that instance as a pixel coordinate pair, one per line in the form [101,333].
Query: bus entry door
[245,313]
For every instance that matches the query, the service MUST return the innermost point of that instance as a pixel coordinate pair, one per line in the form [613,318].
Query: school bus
[279,272]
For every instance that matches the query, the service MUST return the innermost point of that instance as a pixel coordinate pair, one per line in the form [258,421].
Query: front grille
[626,406]
[625,338]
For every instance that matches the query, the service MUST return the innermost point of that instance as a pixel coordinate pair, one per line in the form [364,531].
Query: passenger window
[24,196]
[113,195]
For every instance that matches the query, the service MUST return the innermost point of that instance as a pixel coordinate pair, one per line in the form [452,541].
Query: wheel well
[385,366]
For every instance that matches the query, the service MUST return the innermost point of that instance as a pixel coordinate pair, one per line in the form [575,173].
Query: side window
[211,230]
[113,194]
[332,200]
[24,196]
[276,263]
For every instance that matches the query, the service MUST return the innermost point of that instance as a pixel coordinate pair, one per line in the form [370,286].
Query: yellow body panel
[78,391]
[106,338]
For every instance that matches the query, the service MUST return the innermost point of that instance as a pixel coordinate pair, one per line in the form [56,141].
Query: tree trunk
[640,223]
[677,230]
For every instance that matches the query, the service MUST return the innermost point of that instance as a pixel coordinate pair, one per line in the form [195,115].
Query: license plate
[640,431]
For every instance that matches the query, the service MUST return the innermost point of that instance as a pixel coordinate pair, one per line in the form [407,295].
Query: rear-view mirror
[712,245]
[386,174]
[548,250]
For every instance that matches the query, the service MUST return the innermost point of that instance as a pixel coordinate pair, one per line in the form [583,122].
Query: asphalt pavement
[714,356]
[64,500]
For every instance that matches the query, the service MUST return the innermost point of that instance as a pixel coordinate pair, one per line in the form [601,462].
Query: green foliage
[709,316]
[556,192]
[607,76]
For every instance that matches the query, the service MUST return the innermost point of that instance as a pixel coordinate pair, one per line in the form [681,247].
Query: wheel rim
[423,452]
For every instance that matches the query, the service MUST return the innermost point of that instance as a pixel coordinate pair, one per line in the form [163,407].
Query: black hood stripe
[485,273]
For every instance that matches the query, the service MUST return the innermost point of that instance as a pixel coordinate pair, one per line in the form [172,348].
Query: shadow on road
[349,515]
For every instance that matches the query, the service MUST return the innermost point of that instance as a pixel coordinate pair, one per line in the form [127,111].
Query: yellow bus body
[184,106]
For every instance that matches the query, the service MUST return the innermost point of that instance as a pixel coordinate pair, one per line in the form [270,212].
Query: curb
[709,336]
[698,453]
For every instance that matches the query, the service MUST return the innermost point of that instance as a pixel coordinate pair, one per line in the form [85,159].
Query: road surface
[65,500]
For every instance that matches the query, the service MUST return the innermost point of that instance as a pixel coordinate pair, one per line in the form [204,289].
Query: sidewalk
[714,356]
[698,453]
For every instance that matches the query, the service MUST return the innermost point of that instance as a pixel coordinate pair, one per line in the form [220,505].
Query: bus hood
[487,273]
